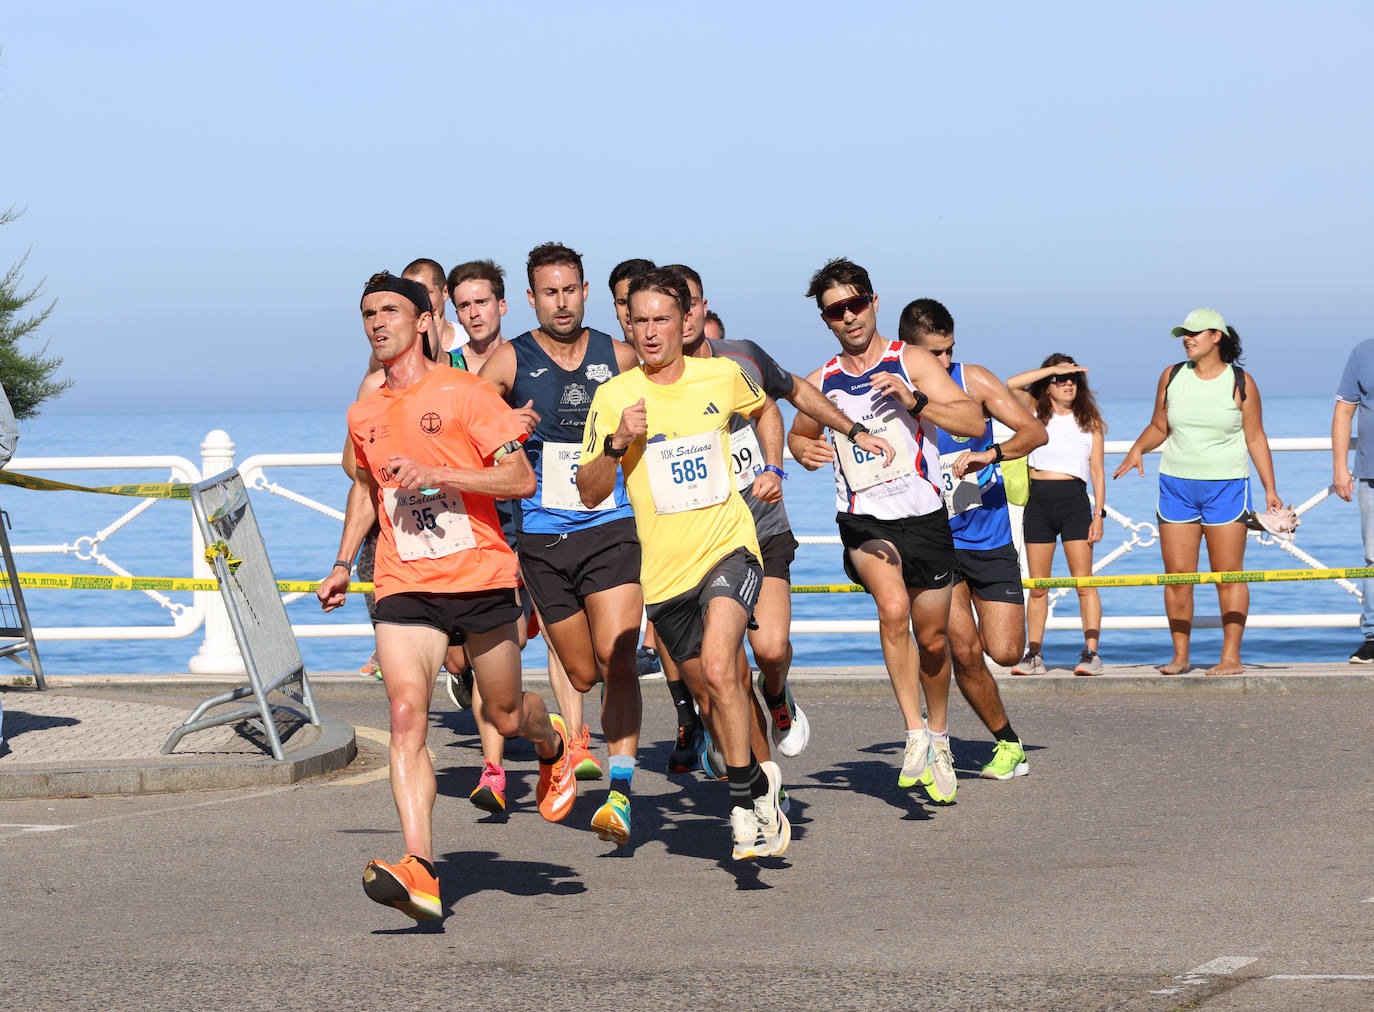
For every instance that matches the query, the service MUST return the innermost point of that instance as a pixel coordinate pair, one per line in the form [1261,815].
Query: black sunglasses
[836,312]
[1068,377]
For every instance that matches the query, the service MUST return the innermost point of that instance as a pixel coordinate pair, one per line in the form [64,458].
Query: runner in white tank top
[891,514]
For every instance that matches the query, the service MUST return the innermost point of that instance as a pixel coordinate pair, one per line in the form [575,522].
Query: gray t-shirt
[769,518]
[1357,387]
[9,431]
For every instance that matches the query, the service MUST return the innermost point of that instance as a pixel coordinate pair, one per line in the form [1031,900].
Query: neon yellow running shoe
[1008,760]
[612,820]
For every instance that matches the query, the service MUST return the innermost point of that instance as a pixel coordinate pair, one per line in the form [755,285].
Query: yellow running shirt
[680,479]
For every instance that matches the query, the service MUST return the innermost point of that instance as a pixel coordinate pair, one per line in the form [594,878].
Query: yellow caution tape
[155,490]
[220,548]
[1147,579]
[78,581]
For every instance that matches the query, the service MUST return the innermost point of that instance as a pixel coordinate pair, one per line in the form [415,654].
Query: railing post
[219,653]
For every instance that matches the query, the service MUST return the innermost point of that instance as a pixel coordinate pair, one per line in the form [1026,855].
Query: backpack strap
[1236,371]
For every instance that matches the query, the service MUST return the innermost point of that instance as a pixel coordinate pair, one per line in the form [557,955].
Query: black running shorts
[994,574]
[1057,508]
[924,543]
[454,614]
[778,552]
[562,570]
[680,621]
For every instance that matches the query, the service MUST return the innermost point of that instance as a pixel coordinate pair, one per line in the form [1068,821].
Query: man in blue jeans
[1356,390]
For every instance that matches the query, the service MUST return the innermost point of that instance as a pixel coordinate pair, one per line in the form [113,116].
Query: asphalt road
[1166,851]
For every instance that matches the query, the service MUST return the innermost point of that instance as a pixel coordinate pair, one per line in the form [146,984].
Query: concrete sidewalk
[103,734]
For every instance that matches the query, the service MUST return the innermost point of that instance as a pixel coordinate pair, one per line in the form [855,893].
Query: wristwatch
[921,401]
[996,449]
[856,429]
[608,448]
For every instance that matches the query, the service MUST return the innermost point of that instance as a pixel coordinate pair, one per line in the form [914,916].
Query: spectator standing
[1356,390]
[1058,509]
[1208,409]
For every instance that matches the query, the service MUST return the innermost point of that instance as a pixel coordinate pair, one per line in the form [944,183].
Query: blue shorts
[1198,501]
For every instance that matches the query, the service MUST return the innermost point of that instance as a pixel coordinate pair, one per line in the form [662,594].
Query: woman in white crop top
[1057,510]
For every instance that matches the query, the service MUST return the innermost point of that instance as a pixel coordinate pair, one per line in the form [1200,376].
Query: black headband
[412,290]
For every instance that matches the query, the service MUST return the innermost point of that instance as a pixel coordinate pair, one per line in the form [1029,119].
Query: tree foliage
[28,376]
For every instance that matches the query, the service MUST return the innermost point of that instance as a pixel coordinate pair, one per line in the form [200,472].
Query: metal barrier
[218,652]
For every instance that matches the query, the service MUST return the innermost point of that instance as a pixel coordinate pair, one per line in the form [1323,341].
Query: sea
[302,543]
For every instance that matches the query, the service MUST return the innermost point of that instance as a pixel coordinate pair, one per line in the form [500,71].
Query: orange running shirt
[447,542]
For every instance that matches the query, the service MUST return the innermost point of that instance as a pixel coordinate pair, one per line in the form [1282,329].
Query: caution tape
[154,490]
[1146,579]
[78,581]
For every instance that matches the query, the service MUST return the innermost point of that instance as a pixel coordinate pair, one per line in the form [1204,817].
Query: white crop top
[1068,449]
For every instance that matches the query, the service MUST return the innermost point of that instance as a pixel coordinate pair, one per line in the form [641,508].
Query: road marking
[1370,900]
[32,827]
[1320,976]
[1222,966]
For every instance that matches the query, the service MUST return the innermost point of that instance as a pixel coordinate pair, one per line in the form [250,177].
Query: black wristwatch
[996,449]
[856,429]
[608,448]
[921,401]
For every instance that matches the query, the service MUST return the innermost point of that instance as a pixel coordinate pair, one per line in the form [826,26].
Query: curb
[334,749]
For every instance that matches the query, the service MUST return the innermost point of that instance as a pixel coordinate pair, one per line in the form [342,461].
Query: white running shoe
[744,828]
[789,728]
[773,824]
[916,758]
[940,782]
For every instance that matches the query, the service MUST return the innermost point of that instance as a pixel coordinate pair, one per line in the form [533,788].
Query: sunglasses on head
[836,312]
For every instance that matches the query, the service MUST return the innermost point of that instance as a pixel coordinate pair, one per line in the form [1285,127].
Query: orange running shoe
[557,788]
[585,766]
[411,887]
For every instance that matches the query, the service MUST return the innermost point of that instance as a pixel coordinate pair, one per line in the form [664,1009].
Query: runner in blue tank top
[580,564]
[987,572]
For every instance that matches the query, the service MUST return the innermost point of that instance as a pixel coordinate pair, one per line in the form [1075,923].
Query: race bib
[559,490]
[746,455]
[863,469]
[427,526]
[961,494]
[687,473]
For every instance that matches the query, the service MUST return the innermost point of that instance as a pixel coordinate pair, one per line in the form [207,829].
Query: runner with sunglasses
[891,515]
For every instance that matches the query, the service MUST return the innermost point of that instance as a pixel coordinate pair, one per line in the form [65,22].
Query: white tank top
[908,487]
[1068,449]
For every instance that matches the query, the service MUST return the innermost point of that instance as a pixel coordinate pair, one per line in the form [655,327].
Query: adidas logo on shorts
[721,581]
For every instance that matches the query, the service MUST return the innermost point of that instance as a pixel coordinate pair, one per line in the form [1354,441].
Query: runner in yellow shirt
[666,425]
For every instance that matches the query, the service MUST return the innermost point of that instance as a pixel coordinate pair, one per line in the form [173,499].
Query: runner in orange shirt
[434,446]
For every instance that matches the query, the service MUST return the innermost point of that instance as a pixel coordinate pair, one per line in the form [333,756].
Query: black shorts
[994,574]
[680,621]
[562,570]
[924,543]
[455,614]
[1057,509]
[778,552]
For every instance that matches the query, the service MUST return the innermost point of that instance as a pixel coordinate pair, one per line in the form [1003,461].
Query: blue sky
[207,188]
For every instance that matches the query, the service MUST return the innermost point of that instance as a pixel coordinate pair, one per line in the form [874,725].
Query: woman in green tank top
[1208,408]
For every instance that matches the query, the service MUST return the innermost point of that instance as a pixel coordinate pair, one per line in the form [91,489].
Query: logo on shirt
[711,409]
[598,372]
[430,423]
[538,372]
[372,434]
[575,395]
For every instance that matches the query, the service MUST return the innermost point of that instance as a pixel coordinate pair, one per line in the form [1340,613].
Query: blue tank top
[988,525]
[562,398]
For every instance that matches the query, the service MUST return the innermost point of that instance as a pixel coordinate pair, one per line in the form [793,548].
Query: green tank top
[456,359]
[1206,436]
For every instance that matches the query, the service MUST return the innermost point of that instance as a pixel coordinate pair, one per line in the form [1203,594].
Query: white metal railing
[218,652]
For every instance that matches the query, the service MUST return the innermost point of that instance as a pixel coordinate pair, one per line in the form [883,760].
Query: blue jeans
[1364,495]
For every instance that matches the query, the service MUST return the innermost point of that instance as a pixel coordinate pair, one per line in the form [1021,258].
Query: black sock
[771,701]
[1006,734]
[623,786]
[758,780]
[741,793]
[682,702]
[557,755]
